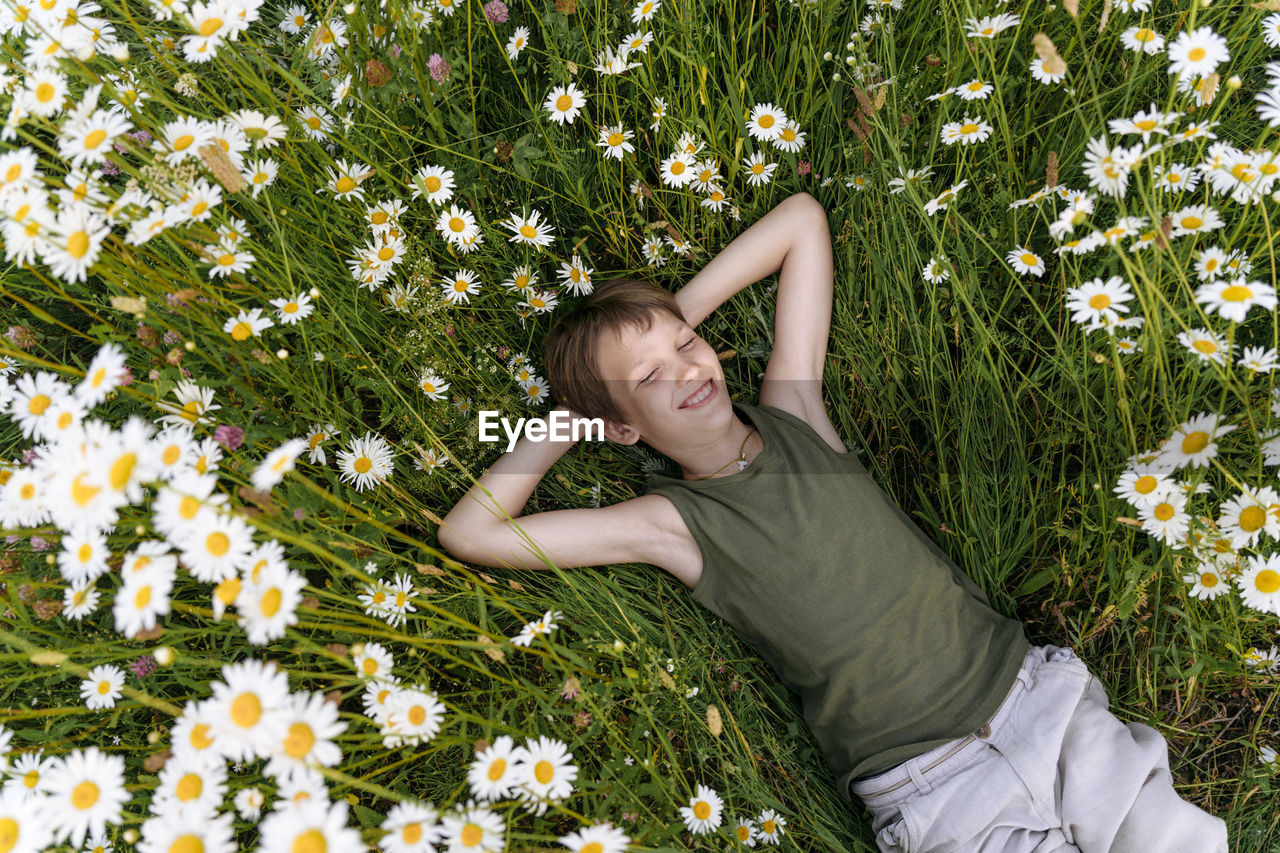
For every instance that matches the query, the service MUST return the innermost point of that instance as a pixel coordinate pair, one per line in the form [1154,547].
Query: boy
[932,708]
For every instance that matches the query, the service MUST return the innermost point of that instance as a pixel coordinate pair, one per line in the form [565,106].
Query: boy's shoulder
[804,401]
[670,546]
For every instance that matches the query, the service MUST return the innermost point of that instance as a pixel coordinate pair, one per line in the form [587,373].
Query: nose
[691,369]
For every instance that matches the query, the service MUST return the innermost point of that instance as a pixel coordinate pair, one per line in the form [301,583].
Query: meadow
[264,263]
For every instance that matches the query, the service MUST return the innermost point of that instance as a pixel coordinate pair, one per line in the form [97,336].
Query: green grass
[994,420]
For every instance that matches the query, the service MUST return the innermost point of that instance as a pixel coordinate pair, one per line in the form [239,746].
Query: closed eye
[685,345]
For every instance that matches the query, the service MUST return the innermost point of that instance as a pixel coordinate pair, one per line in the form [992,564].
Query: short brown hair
[570,346]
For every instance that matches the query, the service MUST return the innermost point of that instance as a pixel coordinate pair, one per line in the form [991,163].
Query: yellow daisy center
[190,787]
[200,738]
[246,710]
[217,543]
[311,841]
[78,244]
[1195,442]
[1267,581]
[84,795]
[1252,517]
[300,740]
[271,602]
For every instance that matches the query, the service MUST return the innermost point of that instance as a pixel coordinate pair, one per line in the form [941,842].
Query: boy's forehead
[631,344]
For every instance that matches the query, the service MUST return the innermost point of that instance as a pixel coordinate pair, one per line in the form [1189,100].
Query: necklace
[741,460]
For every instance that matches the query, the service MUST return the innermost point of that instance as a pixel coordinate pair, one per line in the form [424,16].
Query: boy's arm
[755,253]
[488,529]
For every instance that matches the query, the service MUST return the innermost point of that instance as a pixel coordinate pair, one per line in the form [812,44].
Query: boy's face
[652,375]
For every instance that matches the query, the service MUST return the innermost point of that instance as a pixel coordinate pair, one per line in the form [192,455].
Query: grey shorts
[1052,770]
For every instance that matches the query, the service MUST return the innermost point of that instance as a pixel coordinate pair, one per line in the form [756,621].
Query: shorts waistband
[901,781]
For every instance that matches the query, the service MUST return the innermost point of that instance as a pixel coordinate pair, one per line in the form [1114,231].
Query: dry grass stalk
[1208,87]
[221,167]
[1051,170]
[1048,53]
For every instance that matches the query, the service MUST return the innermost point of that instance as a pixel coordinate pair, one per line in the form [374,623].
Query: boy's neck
[722,452]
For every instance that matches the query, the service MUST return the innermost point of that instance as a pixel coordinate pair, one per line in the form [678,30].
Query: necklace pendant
[742,463]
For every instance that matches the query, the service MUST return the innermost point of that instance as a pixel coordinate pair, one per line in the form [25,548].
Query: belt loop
[922,784]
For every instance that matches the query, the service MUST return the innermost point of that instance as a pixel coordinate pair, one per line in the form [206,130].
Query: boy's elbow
[453,543]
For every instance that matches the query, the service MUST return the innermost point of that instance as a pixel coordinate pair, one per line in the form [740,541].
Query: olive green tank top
[892,649]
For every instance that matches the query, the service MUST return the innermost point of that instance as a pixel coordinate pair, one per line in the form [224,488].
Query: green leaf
[1040,579]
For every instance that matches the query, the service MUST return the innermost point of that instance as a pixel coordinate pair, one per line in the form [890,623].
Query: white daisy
[268,606]
[101,688]
[1197,53]
[86,793]
[277,463]
[1143,40]
[1096,299]
[414,715]
[704,811]
[314,823]
[1194,442]
[770,826]
[765,122]
[411,827]
[1232,299]
[497,770]
[518,41]
[1206,582]
[1025,261]
[564,103]
[597,838]
[549,774]
[1206,345]
[435,182]
[310,725]
[613,139]
[545,626]
[1259,583]
[247,709]
[471,828]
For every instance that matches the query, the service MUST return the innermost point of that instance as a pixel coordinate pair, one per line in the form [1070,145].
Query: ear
[620,433]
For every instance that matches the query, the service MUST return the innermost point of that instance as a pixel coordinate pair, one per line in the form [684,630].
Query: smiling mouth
[703,391]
